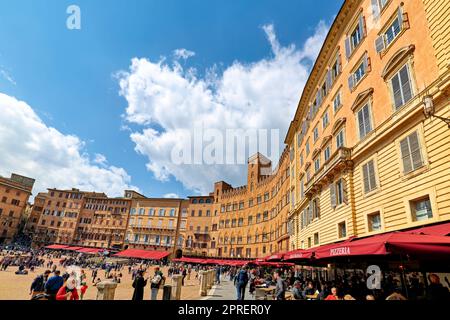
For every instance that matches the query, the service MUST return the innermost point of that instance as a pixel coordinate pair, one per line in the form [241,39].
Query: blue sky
[68,77]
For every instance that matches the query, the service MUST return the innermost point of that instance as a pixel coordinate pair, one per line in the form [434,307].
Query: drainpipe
[352,201]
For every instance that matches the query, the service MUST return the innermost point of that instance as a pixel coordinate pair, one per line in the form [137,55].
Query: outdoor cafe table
[266,291]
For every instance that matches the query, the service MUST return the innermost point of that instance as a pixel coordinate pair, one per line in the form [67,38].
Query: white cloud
[7,77]
[100,159]
[183,54]
[31,148]
[263,94]
[171,196]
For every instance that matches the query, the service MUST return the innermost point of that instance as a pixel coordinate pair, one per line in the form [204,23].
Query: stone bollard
[167,292]
[176,286]
[211,277]
[203,290]
[208,279]
[106,290]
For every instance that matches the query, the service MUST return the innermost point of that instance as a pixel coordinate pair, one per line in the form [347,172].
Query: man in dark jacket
[53,284]
[38,285]
[435,290]
[138,284]
[240,281]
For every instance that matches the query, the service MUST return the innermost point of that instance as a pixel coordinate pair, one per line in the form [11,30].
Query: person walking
[38,285]
[139,284]
[155,283]
[218,274]
[53,285]
[280,288]
[240,281]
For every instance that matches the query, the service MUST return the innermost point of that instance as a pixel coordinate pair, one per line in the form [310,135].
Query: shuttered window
[364,121]
[401,87]
[355,37]
[391,33]
[370,182]
[340,139]
[411,153]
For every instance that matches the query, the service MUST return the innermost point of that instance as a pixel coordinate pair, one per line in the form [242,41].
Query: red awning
[274,257]
[190,260]
[271,264]
[225,262]
[72,248]
[90,250]
[142,254]
[389,243]
[56,246]
[299,254]
[442,229]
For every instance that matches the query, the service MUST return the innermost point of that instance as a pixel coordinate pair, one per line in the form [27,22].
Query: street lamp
[428,109]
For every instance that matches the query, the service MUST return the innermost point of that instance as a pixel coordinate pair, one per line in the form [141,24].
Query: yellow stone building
[253,218]
[366,156]
[14,194]
[156,223]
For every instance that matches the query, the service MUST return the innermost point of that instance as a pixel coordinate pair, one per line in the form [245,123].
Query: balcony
[201,232]
[339,160]
[157,228]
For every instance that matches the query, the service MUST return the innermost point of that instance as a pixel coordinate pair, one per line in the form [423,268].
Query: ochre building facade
[365,158]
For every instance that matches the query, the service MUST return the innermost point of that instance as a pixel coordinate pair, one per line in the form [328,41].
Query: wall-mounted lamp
[428,109]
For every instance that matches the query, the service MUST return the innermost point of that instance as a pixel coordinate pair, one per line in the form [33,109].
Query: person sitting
[21,270]
[297,290]
[333,295]
[309,292]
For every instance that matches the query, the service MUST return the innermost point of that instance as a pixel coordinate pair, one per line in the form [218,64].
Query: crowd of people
[350,286]
[81,271]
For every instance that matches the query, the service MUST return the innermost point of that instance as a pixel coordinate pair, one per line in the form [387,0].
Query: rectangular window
[411,153]
[327,153]
[337,102]
[316,238]
[370,182]
[374,221]
[401,87]
[316,133]
[364,121]
[342,229]
[325,120]
[317,164]
[359,73]
[391,32]
[356,37]
[307,148]
[421,209]
[340,139]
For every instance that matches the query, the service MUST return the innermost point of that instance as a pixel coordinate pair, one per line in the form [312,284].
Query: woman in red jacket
[68,291]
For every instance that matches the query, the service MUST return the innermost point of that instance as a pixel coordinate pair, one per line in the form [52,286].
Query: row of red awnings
[78,249]
[425,242]
[142,254]
[224,262]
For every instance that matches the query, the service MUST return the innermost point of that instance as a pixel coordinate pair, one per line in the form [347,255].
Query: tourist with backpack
[240,281]
[38,285]
[156,282]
